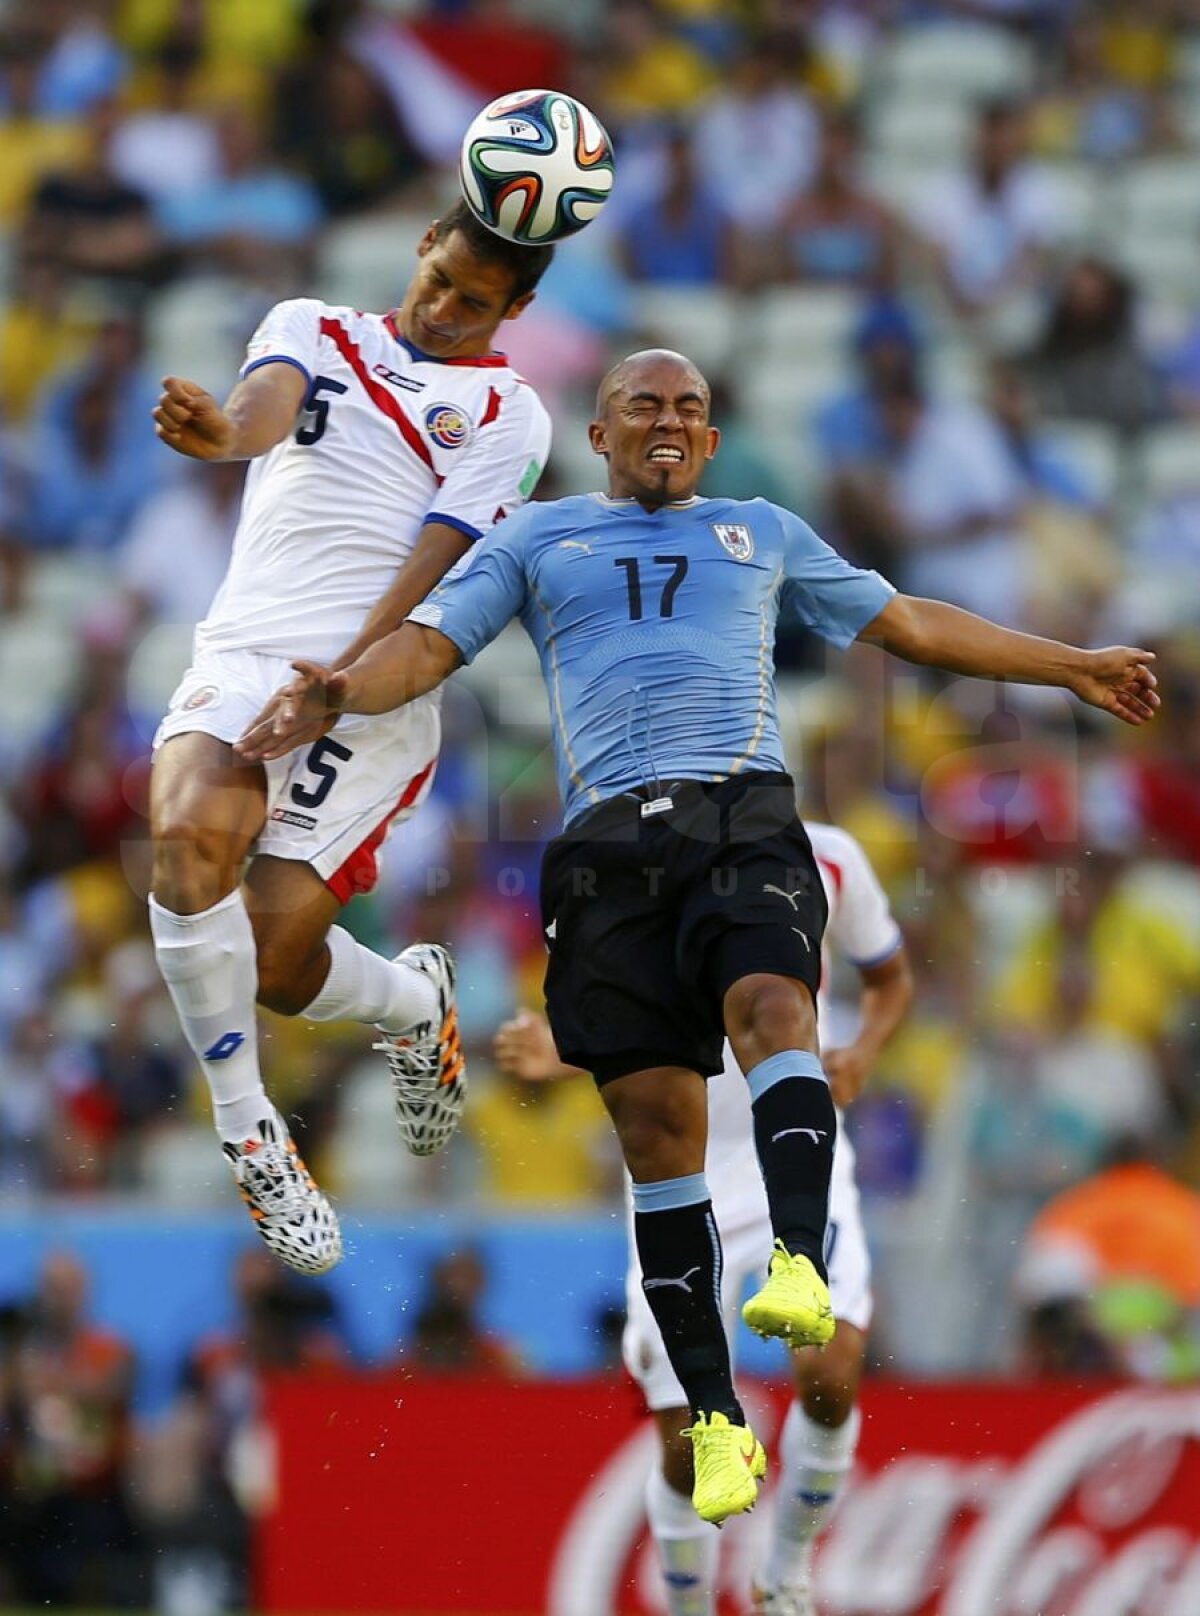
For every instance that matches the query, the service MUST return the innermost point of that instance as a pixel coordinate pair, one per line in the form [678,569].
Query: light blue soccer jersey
[655,629]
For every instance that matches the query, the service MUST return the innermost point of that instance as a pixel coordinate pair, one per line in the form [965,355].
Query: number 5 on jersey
[318,764]
[318,409]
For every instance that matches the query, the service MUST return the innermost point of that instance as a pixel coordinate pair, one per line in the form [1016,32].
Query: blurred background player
[383,447]
[820,1433]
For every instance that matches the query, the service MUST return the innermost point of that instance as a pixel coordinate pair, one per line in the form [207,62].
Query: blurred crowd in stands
[101,1508]
[942,264]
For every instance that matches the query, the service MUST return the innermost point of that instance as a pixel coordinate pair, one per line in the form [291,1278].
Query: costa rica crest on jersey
[447,426]
[735,537]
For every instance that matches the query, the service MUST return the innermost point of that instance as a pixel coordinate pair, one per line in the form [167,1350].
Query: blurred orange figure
[1135,1220]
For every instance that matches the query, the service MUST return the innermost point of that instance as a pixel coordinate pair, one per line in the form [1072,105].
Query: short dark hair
[526,265]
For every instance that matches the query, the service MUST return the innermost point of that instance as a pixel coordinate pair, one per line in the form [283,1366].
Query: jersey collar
[490,361]
[671,505]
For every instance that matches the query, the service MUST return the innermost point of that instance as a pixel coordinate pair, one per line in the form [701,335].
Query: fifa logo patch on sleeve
[736,538]
[447,425]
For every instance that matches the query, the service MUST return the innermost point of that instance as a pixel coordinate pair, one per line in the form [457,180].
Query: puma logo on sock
[682,1281]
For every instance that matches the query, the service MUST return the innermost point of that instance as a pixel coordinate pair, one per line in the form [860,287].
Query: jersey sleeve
[472,608]
[500,467]
[289,334]
[862,926]
[821,587]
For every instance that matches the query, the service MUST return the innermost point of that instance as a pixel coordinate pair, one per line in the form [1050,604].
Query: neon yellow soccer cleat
[793,1304]
[730,1463]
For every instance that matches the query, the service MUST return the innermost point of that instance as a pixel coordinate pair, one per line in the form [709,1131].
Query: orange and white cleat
[429,1070]
[289,1211]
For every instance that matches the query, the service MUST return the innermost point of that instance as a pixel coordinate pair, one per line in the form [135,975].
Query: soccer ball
[536,166]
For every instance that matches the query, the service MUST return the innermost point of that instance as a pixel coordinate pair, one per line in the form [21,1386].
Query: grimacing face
[455,301]
[653,427]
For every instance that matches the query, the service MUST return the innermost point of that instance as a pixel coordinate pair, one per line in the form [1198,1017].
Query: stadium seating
[1084,203]
[1096,451]
[932,131]
[789,389]
[364,262]
[63,586]
[1168,461]
[1165,264]
[898,180]
[955,59]
[158,662]
[198,328]
[1161,194]
[702,322]
[39,662]
[804,322]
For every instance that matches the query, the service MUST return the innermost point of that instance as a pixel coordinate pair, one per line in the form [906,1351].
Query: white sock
[363,986]
[814,1461]
[208,963]
[687,1549]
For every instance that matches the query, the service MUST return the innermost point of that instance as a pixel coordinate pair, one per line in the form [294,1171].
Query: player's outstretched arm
[396,670]
[258,414]
[1117,679]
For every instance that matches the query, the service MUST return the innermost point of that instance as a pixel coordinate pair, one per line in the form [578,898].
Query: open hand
[1118,680]
[190,421]
[296,714]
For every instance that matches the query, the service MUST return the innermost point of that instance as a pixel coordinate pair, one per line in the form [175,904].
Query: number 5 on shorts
[318,763]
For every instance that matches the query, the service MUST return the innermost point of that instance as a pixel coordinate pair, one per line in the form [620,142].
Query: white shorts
[746,1251]
[331,804]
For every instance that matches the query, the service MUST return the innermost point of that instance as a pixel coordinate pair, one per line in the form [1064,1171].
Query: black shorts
[651,916]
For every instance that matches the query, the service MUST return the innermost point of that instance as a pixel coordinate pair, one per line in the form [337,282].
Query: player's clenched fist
[189,420]
[1119,680]
[524,1047]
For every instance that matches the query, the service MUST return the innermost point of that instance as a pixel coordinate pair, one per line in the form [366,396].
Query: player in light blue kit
[681,903]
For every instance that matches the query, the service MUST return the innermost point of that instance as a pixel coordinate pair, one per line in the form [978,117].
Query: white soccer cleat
[794,1601]
[289,1211]
[429,1071]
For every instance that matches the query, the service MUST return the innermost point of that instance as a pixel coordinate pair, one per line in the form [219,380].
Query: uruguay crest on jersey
[735,537]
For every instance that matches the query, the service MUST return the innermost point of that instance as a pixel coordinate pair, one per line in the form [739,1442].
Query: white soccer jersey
[388,439]
[862,929]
